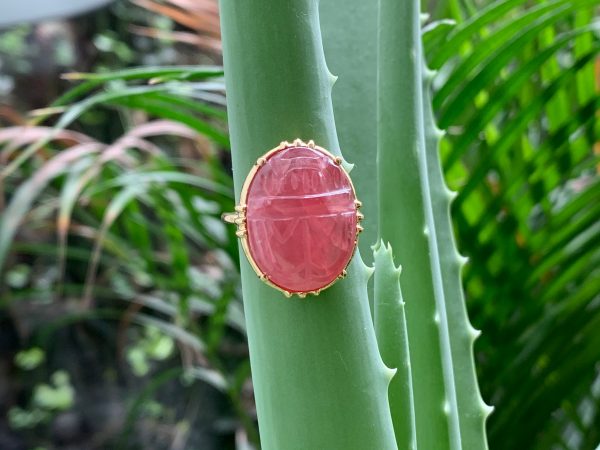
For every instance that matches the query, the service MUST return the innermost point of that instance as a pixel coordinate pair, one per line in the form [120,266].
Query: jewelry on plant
[298,218]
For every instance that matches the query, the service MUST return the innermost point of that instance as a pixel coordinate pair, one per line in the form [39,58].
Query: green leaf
[59,396]
[472,410]
[392,339]
[351,54]
[332,349]
[30,359]
[28,191]
[403,185]
[94,80]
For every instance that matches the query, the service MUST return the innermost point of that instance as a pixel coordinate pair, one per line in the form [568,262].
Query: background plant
[157,270]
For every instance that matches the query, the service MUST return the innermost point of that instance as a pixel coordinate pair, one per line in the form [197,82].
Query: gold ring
[298,218]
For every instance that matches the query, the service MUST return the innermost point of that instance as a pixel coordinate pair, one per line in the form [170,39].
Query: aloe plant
[318,373]
[517,93]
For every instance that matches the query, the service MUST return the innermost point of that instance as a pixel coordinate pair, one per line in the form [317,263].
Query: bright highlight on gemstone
[299,218]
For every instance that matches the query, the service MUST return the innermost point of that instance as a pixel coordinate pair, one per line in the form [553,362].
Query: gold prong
[229,217]
[302,294]
[239,220]
[287,294]
[343,274]
[298,142]
[359,228]
[241,208]
[240,233]
[315,293]
[261,161]
[338,160]
[357,203]
[360,216]
[284,144]
[263,277]
[311,144]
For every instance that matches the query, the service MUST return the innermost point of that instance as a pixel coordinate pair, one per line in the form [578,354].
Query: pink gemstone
[301,219]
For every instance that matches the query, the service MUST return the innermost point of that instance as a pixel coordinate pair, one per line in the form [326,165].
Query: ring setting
[298,219]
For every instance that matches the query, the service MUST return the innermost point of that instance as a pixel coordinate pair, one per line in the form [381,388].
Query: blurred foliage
[518,92]
[117,272]
[129,234]
[200,17]
[47,398]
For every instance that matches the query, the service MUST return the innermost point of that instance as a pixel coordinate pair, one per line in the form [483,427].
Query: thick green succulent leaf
[392,338]
[349,30]
[318,378]
[472,410]
[403,186]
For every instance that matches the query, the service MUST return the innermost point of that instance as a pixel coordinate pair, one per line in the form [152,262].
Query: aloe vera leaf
[472,410]
[318,378]
[392,337]
[406,221]
[350,40]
